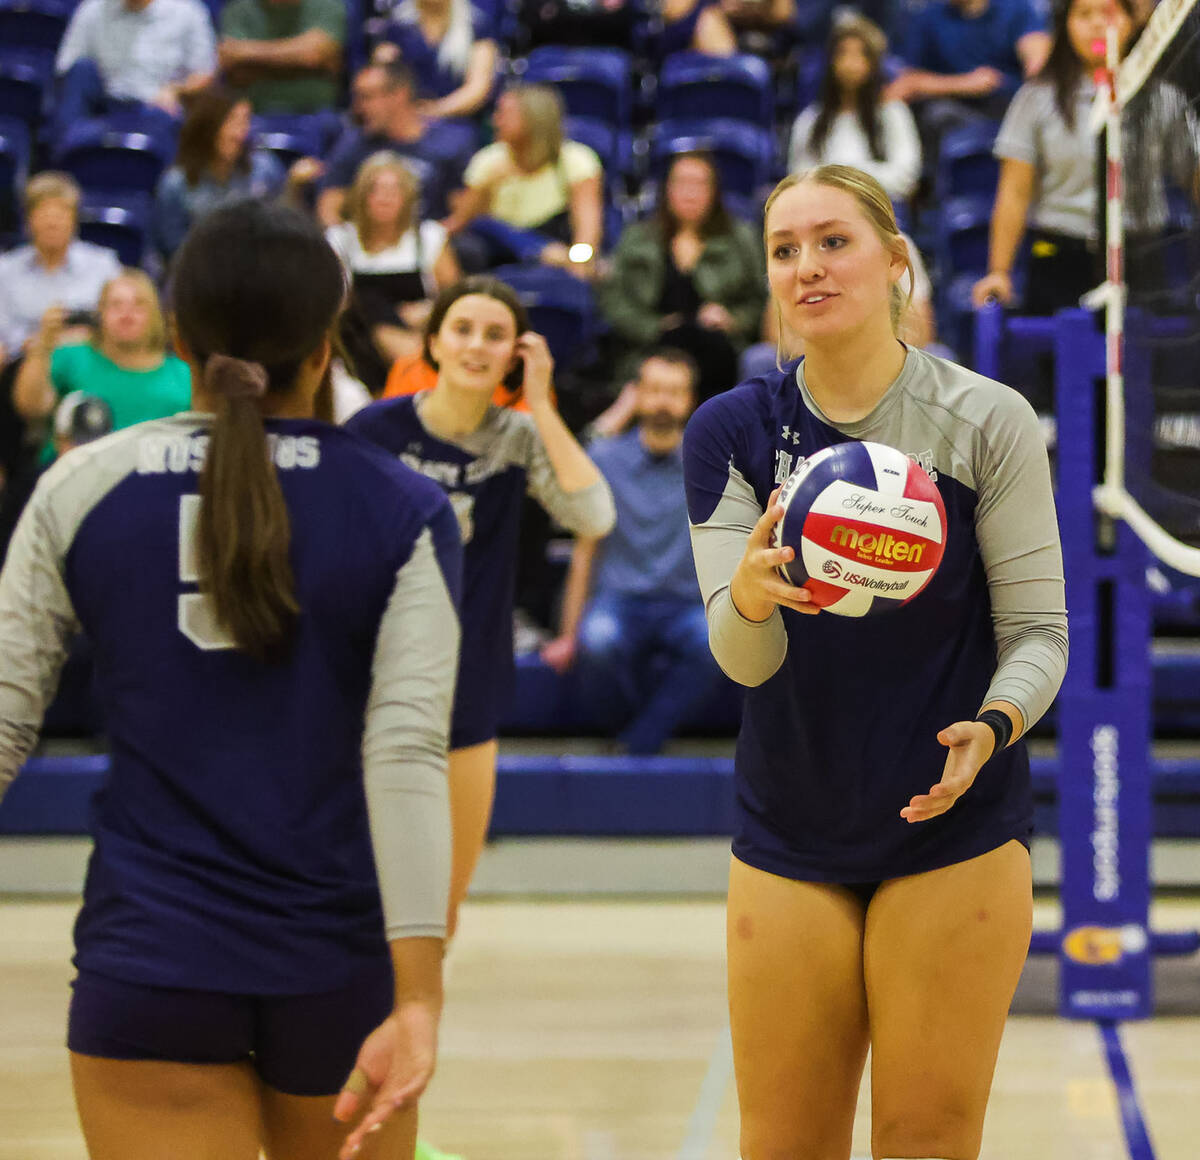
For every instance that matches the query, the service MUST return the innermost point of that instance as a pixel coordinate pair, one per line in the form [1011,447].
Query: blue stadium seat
[594,82]
[22,93]
[613,146]
[32,29]
[104,159]
[956,317]
[214,11]
[122,228]
[965,165]
[963,227]
[322,128]
[357,49]
[14,171]
[694,86]
[289,138]
[745,156]
[561,308]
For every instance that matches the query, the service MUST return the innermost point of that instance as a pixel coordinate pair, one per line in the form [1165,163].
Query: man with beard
[640,643]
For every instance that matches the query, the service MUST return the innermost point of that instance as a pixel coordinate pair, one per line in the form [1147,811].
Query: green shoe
[426,1152]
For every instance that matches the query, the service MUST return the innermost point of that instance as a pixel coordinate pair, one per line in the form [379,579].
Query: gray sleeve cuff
[748,651]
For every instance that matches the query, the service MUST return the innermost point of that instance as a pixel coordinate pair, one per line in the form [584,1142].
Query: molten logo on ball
[867,525]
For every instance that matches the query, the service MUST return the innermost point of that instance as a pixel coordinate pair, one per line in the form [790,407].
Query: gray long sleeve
[748,652]
[1017,531]
[37,622]
[404,747]
[590,512]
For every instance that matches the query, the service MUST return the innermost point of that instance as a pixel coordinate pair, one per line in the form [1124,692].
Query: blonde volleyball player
[880,889]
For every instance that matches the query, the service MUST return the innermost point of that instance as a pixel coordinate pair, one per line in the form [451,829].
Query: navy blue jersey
[840,724]
[232,847]
[485,475]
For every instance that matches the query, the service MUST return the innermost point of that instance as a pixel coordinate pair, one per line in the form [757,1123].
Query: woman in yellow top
[530,196]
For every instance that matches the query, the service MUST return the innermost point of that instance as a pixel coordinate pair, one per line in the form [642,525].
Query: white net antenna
[1149,112]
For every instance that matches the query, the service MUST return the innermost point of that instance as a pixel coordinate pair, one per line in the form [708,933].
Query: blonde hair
[355,209]
[454,49]
[49,186]
[542,112]
[156,335]
[876,207]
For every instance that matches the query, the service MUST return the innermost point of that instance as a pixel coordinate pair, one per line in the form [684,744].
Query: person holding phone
[126,362]
[486,458]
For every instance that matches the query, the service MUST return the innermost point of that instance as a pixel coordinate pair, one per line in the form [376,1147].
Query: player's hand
[995,287]
[393,1068]
[559,653]
[539,368]
[970,743]
[757,586]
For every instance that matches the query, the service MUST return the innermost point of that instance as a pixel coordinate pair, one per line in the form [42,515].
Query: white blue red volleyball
[868,527]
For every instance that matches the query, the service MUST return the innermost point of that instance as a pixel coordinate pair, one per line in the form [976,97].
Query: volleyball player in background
[256,585]
[871,903]
[486,458]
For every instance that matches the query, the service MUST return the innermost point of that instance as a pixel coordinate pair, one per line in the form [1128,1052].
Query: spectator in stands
[450,46]
[284,56]
[761,26]
[966,58]
[631,598]
[531,196]
[126,363]
[55,270]
[139,54]
[1048,168]
[695,26]
[850,123]
[216,163]
[397,264]
[692,277]
[384,100]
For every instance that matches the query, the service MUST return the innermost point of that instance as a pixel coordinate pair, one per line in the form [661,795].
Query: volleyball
[868,527]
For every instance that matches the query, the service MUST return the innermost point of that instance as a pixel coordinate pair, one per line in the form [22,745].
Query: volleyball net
[1147,116]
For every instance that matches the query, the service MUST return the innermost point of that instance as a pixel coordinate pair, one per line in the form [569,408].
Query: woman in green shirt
[126,363]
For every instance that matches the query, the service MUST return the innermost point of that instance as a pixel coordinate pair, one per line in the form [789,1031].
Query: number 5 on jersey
[197,617]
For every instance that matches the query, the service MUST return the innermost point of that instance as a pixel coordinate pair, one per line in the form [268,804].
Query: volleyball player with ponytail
[880,892]
[272,606]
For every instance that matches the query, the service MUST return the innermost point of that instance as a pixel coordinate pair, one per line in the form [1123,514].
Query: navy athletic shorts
[301,1045]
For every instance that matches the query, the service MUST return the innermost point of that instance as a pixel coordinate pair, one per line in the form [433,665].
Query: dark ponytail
[255,290]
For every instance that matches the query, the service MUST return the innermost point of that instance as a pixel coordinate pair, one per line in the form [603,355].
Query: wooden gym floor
[595,1030]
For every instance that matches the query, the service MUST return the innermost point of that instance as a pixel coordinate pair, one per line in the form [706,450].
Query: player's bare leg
[943,954]
[149,1109]
[303,1128]
[798,1014]
[472,773]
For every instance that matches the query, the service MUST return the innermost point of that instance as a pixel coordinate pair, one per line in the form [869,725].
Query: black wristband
[1000,723]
